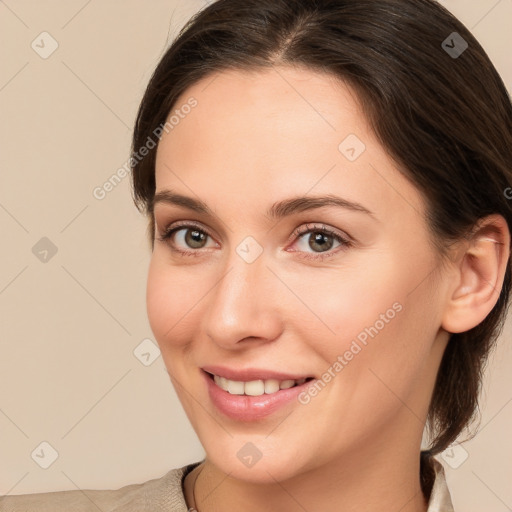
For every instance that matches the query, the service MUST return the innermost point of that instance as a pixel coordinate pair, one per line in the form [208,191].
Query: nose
[243,305]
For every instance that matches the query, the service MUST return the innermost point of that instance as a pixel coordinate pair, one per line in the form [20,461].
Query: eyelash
[345,242]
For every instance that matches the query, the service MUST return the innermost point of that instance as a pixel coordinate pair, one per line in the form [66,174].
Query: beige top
[159,494]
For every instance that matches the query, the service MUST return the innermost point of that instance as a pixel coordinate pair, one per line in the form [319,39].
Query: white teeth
[271,386]
[234,387]
[255,387]
[286,384]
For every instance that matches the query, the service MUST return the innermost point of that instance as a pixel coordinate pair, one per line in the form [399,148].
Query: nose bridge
[237,292]
[241,304]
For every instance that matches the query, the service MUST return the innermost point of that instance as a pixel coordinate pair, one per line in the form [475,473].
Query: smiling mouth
[256,387]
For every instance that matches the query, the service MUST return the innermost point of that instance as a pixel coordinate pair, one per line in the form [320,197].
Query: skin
[255,139]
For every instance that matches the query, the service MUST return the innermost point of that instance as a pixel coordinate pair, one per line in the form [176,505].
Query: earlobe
[480,272]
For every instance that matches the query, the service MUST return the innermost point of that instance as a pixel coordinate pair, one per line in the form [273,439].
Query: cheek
[170,298]
[344,304]
[373,313]
[387,348]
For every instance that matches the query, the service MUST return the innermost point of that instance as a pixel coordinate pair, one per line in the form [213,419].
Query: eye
[193,237]
[322,242]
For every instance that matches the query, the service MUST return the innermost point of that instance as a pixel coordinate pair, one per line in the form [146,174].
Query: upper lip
[249,374]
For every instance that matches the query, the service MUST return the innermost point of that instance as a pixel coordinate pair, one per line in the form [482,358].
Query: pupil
[195,238]
[318,239]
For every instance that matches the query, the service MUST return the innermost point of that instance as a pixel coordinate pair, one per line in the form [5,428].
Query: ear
[480,271]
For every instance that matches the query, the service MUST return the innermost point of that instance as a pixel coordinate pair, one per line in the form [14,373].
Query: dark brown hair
[445,118]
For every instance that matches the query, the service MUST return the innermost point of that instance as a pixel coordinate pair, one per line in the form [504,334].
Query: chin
[252,459]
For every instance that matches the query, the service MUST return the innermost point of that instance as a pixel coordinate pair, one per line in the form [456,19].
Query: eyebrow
[278,210]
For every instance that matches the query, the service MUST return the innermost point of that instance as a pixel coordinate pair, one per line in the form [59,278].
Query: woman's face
[263,294]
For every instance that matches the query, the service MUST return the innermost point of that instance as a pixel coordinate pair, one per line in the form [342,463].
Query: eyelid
[297,232]
[318,226]
[187,223]
[173,227]
[343,238]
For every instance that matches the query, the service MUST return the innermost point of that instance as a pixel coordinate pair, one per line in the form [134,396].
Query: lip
[248,374]
[251,408]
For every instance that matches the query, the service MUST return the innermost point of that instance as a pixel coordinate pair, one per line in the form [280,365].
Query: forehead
[280,130]
[273,98]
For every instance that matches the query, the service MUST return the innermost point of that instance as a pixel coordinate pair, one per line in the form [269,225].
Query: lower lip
[251,408]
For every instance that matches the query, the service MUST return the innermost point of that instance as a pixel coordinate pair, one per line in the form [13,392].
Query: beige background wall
[69,325]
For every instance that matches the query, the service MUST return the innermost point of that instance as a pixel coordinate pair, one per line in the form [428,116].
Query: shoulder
[164,493]
[440,498]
